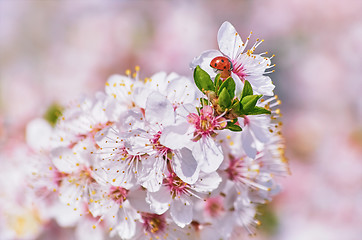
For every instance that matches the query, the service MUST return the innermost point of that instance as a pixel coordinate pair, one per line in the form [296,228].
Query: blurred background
[54,51]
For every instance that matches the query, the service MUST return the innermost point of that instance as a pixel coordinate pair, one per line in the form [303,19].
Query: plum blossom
[245,65]
[177,196]
[198,130]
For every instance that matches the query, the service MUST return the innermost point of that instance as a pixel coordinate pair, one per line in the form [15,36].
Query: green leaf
[237,108]
[217,81]
[229,84]
[268,218]
[248,102]
[247,90]
[203,80]
[234,120]
[233,127]
[224,99]
[258,110]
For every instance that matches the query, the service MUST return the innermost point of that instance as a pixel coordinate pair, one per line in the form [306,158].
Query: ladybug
[222,65]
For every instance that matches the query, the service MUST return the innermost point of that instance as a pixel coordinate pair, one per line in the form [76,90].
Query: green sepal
[217,81]
[258,110]
[233,127]
[229,84]
[247,89]
[203,80]
[224,99]
[248,102]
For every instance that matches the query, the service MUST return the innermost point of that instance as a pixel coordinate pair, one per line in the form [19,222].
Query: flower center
[214,206]
[85,174]
[238,69]
[155,141]
[206,123]
[236,168]
[176,185]
[94,130]
[118,194]
[154,223]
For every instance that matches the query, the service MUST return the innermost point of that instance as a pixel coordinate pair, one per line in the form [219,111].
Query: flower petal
[185,166]
[248,143]
[207,182]
[120,88]
[261,84]
[230,43]
[208,154]
[159,110]
[204,61]
[38,133]
[65,160]
[176,136]
[259,126]
[181,90]
[181,212]
[126,225]
[151,173]
[159,201]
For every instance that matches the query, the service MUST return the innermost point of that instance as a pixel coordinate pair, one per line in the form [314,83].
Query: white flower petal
[63,214]
[159,110]
[204,61]
[126,225]
[207,182]
[85,230]
[158,82]
[176,136]
[261,84]
[259,126]
[208,154]
[248,143]
[159,201]
[230,43]
[120,87]
[183,111]
[181,90]
[137,142]
[244,211]
[239,85]
[181,212]
[185,166]
[65,160]
[137,199]
[38,133]
[141,95]
[151,174]
[70,192]
[105,138]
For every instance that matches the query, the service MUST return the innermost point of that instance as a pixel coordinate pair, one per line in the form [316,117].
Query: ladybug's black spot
[224,67]
[222,60]
[215,64]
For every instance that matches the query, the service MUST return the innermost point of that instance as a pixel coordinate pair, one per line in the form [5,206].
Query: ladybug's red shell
[221,63]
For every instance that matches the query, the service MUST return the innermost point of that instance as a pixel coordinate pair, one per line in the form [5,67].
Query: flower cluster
[166,156]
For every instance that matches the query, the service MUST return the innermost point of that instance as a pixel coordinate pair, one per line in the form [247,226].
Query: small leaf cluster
[220,94]
[53,113]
